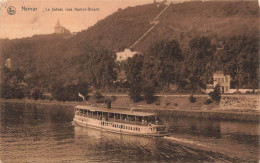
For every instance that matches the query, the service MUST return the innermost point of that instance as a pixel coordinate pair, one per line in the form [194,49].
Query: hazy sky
[28,23]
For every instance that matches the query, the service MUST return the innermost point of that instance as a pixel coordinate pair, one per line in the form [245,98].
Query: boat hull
[117,127]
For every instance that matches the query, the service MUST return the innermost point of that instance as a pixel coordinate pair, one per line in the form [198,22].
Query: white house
[121,56]
[222,80]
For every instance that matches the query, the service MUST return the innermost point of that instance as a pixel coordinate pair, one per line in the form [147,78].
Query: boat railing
[115,119]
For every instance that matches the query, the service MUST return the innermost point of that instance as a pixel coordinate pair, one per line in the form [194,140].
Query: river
[44,133]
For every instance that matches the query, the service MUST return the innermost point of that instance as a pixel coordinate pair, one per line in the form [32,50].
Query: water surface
[44,133]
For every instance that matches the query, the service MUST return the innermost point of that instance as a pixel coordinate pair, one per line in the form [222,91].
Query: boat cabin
[116,115]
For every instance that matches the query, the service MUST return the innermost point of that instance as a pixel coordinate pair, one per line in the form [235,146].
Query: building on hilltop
[121,56]
[222,80]
[59,29]
[8,63]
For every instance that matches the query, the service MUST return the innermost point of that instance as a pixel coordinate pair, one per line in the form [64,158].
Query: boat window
[117,116]
[124,117]
[151,119]
[105,115]
[139,119]
[131,117]
[111,115]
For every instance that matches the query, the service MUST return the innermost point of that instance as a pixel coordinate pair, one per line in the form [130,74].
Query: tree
[33,81]
[11,84]
[100,68]
[57,91]
[216,94]
[240,59]
[161,63]
[199,62]
[149,91]
[133,69]
[37,94]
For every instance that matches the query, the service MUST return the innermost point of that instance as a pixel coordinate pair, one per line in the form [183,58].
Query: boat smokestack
[108,104]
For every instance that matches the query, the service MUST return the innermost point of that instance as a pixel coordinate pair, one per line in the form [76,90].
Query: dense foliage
[240,59]
[199,62]
[70,92]
[11,83]
[134,68]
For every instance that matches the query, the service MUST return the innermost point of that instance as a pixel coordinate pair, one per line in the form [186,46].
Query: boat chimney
[108,104]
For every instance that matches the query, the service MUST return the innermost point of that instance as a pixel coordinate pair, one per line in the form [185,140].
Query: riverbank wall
[216,115]
[232,108]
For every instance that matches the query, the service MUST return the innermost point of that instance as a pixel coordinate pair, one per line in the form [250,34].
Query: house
[222,80]
[121,56]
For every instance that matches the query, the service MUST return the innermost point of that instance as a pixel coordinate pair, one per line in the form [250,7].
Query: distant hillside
[54,57]
[121,29]
[180,21]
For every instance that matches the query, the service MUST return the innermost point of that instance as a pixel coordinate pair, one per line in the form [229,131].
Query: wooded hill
[45,59]
[180,22]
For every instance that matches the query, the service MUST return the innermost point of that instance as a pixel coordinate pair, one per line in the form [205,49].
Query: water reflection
[98,136]
[192,126]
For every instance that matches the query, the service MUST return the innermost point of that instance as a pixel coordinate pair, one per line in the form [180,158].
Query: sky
[26,23]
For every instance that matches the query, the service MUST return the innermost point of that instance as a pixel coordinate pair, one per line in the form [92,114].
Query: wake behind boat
[119,121]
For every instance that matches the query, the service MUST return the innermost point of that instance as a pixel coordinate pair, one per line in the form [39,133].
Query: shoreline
[226,115]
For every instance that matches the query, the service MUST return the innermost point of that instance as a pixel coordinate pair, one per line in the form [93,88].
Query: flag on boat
[80,95]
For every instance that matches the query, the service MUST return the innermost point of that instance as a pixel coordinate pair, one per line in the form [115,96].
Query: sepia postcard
[129,81]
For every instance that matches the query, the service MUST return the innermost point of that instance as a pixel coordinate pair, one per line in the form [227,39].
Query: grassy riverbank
[235,107]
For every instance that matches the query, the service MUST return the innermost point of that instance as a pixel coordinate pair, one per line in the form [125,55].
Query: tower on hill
[59,29]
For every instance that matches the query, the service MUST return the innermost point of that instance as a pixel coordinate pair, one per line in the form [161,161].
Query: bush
[37,94]
[192,99]
[98,97]
[208,101]
[215,95]
[237,92]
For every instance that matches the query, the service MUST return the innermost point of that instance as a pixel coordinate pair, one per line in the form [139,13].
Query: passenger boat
[120,121]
